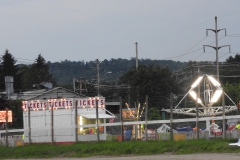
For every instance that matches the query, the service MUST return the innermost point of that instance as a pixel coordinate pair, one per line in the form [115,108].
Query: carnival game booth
[65,120]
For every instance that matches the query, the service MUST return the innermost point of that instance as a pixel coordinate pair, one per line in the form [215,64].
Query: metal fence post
[197,115]
[171,116]
[6,126]
[52,125]
[121,119]
[76,124]
[224,118]
[146,117]
[29,126]
[97,119]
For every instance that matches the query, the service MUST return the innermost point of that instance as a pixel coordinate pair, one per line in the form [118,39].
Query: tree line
[24,75]
[151,73]
[152,77]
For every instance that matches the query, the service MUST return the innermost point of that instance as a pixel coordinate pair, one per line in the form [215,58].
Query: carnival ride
[207,101]
[165,128]
[212,91]
[134,114]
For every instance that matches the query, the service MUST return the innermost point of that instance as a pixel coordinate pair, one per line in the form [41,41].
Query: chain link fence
[143,117]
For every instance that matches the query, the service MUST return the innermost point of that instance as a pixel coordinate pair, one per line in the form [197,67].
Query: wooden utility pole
[136,56]
[80,85]
[98,78]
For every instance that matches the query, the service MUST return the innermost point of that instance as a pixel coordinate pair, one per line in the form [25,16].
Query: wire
[179,31]
[230,14]
[233,36]
[194,50]
[191,48]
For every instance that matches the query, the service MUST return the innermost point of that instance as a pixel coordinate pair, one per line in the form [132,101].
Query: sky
[86,30]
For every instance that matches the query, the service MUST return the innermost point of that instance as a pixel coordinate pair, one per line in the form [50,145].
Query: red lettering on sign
[101,102]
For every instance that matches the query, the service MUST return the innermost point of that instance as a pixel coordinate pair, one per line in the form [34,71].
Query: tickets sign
[63,103]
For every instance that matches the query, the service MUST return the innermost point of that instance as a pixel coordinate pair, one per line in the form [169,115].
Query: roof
[93,115]
[42,94]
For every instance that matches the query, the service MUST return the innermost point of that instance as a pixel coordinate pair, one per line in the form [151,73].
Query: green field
[115,148]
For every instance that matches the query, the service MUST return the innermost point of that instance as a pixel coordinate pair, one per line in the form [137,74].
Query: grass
[86,149]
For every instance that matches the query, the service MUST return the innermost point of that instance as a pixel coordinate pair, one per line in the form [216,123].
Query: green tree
[235,59]
[154,114]
[17,113]
[9,68]
[233,91]
[152,80]
[37,73]
[231,70]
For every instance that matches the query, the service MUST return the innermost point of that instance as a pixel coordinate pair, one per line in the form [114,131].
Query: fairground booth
[65,120]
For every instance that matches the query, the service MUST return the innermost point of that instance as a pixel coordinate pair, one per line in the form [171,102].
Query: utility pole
[80,87]
[137,68]
[136,56]
[98,78]
[216,47]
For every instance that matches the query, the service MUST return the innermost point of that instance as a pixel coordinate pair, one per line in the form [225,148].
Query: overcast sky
[79,30]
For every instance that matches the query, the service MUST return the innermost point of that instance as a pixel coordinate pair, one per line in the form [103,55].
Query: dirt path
[204,156]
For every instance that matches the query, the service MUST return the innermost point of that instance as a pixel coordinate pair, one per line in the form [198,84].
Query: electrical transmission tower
[216,47]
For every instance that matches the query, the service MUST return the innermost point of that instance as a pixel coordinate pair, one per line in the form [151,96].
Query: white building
[62,116]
